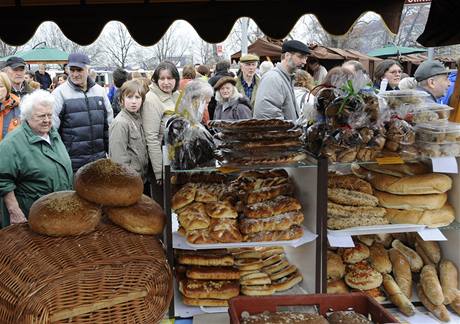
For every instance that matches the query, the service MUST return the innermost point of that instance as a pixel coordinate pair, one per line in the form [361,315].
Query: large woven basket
[108,276]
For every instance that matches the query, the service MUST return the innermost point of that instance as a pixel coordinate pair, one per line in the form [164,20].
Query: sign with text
[416,1]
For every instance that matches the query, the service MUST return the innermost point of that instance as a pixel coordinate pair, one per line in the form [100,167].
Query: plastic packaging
[438,132]
[427,149]
[188,142]
[427,112]
[399,98]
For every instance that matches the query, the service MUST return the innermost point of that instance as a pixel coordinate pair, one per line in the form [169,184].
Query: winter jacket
[25,89]
[237,107]
[127,142]
[452,78]
[82,119]
[240,87]
[9,115]
[275,96]
[158,107]
[32,168]
[44,80]
[431,98]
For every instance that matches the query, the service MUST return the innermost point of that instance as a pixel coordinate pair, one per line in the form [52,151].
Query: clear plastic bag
[188,142]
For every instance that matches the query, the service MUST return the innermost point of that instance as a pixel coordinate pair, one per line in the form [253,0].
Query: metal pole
[430,53]
[244,35]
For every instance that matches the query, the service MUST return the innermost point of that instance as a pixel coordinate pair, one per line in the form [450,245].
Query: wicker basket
[108,276]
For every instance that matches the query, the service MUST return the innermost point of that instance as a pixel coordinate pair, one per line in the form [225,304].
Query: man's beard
[292,67]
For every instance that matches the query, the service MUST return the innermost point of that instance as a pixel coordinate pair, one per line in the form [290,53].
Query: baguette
[431,285]
[421,252]
[448,277]
[431,248]
[350,182]
[431,201]
[440,311]
[396,296]
[455,304]
[378,257]
[431,218]
[401,272]
[431,183]
[415,261]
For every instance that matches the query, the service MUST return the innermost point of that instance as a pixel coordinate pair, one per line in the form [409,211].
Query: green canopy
[42,55]
[393,50]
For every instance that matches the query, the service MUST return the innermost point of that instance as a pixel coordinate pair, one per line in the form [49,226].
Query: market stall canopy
[147,20]
[264,48]
[419,58]
[42,55]
[443,25]
[394,50]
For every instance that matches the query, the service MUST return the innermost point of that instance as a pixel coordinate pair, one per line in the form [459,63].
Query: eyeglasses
[43,117]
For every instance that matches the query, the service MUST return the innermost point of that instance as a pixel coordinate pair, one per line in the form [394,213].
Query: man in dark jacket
[432,78]
[43,77]
[82,114]
[15,68]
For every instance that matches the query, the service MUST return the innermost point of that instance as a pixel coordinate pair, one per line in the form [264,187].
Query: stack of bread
[205,214]
[270,213]
[264,270]
[351,203]
[411,194]
[208,212]
[207,277]
[100,186]
[255,141]
[392,263]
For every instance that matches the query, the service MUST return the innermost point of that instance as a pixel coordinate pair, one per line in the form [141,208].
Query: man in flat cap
[432,78]
[247,80]
[82,114]
[275,97]
[15,68]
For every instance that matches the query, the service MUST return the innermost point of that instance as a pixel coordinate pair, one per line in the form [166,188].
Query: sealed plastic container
[427,112]
[399,98]
[427,149]
[440,132]
[325,303]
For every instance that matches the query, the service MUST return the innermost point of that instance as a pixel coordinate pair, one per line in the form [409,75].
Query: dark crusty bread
[108,183]
[63,213]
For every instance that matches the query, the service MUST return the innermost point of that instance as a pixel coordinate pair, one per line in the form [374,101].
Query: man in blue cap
[82,114]
[15,68]
[432,78]
[275,96]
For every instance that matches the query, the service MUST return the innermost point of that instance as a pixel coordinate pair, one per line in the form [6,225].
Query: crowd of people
[50,128]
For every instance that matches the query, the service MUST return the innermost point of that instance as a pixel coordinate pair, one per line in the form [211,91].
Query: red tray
[359,302]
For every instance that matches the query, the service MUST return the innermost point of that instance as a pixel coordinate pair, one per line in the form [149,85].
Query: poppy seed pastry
[63,213]
[144,217]
[108,183]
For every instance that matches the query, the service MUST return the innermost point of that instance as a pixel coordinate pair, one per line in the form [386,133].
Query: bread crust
[440,311]
[209,302]
[144,217]
[415,261]
[213,273]
[335,266]
[431,218]
[363,279]
[262,290]
[448,277]
[276,223]
[63,213]
[294,232]
[431,183]
[401,272]
[431,249]
[431,285]
[287,282]
[430,201]
[220,209]
[337,210]
[255,278]
[184,196]
[268,193]
[205,260]
[278,205]
[399,170]
[338,223]
[356,254]
[337,287]
[108,183]
[396,296]
[350,182]
[222,289]
[351,198]
[379,259]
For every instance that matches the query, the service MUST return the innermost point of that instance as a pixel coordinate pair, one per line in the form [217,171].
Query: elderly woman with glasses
[390,70]
[33,160]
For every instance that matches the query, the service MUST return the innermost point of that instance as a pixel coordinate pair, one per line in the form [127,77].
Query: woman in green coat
[33,160]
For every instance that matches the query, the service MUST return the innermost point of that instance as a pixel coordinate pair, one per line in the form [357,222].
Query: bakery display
[349,317]
[144,217]
[282,317]
[108,183]
[63,213]
[429,183]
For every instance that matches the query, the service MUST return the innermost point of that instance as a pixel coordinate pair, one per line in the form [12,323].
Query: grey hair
[198,88]
[30,101]
[265,66]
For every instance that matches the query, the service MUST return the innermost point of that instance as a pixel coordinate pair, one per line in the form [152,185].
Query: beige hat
[246,58]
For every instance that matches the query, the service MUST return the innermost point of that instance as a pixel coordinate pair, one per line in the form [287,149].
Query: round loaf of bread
[109,183]
[335,266]
[144,217]
[354,255]
[63,213]
[337,287]
[363,279]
